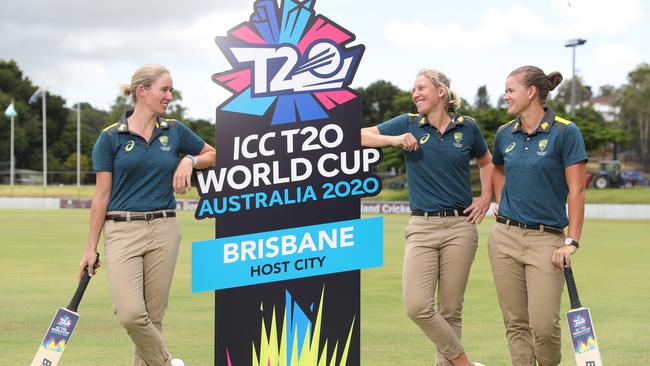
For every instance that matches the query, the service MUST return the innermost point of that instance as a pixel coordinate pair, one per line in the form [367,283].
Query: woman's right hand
[406,142]
[182,180]
[88,261]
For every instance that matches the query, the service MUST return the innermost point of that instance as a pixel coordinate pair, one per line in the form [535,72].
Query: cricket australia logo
[458,139]
[289,62]
[164,143]
[541,147]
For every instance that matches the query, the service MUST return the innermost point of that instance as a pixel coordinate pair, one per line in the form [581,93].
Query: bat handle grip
[81,288]
[571,286]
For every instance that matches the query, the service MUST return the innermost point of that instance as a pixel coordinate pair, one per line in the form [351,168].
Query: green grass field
[40,250]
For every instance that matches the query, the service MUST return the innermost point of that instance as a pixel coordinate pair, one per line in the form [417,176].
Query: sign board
[285,193]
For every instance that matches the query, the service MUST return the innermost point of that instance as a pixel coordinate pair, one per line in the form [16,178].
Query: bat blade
[56,338]
[64,323]
[581,328]
[583,336]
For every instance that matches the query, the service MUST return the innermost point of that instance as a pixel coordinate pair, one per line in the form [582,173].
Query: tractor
[609,175]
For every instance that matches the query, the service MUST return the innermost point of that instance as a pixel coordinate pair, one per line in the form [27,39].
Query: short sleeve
[497,152]
[479,146]
[395,126]
[573,150]
[190,142]
[103,153]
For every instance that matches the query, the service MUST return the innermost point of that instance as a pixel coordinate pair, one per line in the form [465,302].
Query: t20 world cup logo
[289,159]
[288,61]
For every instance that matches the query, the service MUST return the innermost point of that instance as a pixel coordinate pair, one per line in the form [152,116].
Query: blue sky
[83,50]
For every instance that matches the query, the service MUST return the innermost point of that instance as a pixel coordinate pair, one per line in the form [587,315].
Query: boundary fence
[592,210]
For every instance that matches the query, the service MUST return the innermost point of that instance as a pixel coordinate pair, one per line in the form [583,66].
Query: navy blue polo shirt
[535,191]
[143,170]
[438,172]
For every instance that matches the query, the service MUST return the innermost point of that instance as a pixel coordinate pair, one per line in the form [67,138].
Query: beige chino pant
[140,257]
[439,252]
[529,288]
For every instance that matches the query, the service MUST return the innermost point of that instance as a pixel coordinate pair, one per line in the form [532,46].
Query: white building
[605,105]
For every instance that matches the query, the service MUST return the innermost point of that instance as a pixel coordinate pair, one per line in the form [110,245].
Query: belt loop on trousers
[128,216]
[541,227]
[164,212]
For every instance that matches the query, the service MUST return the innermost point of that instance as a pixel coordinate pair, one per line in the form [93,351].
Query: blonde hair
[534,76]
[452,101]
[145,75]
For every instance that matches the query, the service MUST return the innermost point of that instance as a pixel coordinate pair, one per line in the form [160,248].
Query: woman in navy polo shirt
[540,161]
[138,170]
[441,237]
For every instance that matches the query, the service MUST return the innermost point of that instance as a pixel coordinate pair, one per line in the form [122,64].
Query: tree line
[629,130]
[381,101]
[62,125]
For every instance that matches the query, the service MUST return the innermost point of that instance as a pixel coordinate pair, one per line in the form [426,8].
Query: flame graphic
[300,345]
[588,346]
[54,345]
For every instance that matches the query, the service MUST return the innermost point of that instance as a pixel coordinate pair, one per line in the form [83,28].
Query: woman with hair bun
[441,237]
[140,161]
[540,164]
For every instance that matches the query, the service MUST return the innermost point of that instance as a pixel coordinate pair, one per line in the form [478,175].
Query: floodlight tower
[573,43]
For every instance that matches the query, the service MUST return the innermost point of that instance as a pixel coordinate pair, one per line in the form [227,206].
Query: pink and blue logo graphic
[579,320]
[289,62]
[64,321]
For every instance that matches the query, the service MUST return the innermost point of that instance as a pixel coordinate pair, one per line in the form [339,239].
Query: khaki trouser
[140,257]
[439,251]
[529,288]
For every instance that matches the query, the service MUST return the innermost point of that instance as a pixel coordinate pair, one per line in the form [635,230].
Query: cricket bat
[58,334]
[581,329]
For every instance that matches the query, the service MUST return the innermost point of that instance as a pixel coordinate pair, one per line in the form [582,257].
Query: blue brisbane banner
[286,254]
[285,193]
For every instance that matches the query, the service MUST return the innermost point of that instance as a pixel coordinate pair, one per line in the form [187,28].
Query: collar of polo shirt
[455,120]
[122,126]
[544,125]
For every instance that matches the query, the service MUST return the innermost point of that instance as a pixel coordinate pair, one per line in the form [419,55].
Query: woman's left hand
[182,182]
[477,209]
[562,257]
